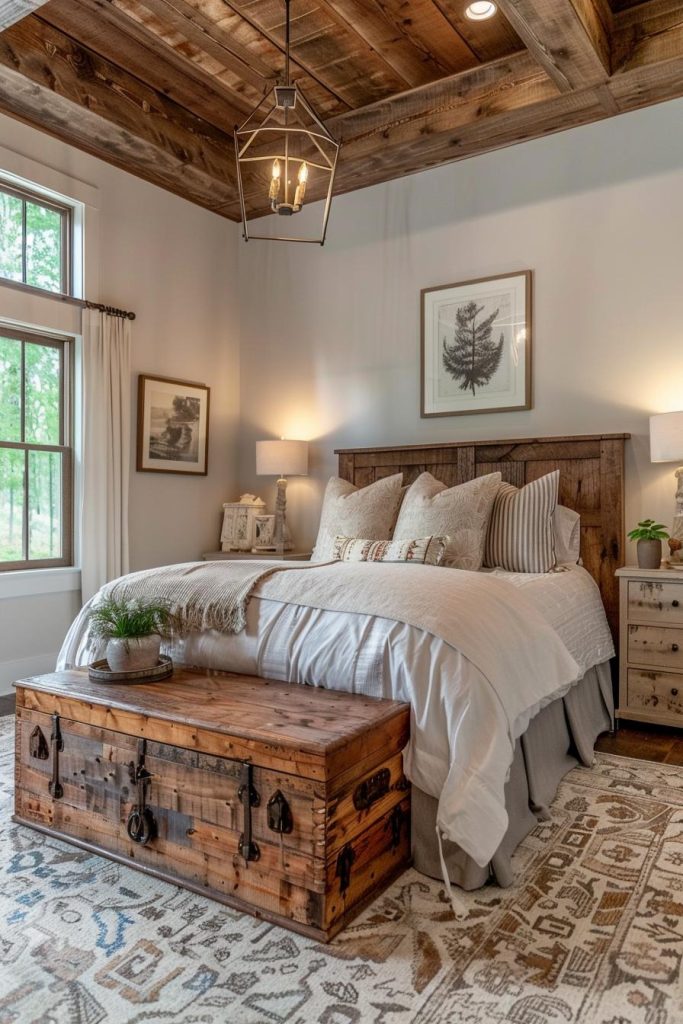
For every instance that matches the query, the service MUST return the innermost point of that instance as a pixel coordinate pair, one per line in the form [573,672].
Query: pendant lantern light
[285,137]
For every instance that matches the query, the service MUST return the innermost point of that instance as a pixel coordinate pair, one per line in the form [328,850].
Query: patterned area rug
[592,931]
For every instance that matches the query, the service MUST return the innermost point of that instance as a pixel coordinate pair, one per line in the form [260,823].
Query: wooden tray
[100,672]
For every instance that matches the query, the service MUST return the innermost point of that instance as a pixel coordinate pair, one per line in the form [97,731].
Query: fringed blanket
[200,595]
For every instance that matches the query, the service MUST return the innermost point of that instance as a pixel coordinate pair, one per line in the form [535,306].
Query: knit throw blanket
[200,595]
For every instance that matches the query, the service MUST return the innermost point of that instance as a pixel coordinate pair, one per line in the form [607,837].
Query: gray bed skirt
[561,736]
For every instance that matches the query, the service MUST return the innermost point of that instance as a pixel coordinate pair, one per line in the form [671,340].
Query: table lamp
[666,445]
[281,459]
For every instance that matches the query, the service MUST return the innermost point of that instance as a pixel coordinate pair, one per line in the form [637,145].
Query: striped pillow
[521,536]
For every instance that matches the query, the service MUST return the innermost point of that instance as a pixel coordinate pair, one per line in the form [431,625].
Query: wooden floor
[651,743]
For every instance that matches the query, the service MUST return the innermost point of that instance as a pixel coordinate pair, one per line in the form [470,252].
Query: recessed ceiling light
[480,10]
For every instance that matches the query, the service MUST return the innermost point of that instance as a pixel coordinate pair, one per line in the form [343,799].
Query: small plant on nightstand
[649,535]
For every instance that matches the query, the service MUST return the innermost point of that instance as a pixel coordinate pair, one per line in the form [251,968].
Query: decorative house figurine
[239,526]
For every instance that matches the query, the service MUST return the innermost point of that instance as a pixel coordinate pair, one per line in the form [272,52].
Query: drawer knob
[674,647]
[674,603]
[674,691]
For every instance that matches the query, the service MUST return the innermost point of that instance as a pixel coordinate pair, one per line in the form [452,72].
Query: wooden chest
[282,800]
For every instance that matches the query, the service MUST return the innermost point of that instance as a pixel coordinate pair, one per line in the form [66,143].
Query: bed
[491,735]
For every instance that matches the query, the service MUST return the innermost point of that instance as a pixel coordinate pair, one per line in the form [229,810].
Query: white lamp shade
[666,437]
[282,458]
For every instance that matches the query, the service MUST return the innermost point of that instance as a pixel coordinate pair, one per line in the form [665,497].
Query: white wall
[324,343]
[174,264]
[330,338]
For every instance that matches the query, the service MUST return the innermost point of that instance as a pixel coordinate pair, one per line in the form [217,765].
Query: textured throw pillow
[423,550]
[521,535]
[567,527]
[460,513]
[352,512]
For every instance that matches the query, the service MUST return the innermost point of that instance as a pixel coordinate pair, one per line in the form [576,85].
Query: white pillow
[461,513]
[419,550]
[521,537]
[567,526]
[357,512]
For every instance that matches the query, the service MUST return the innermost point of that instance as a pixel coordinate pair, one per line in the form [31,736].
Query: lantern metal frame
[291,100]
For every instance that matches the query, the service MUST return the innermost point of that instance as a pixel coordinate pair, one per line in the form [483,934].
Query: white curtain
[106,449]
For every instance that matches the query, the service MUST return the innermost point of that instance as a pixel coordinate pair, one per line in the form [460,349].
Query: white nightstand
[651,645]
[272,556]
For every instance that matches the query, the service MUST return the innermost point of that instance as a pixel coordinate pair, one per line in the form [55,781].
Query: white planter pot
[135,654]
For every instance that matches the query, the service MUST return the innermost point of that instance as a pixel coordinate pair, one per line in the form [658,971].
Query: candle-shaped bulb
[301,187]
[275,180]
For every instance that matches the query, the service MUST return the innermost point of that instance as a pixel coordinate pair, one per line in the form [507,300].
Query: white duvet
[524,640]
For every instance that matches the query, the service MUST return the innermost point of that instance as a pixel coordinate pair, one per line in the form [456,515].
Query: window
[35,236]
[36,493]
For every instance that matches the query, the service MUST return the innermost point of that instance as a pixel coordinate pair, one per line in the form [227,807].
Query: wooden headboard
[591,482]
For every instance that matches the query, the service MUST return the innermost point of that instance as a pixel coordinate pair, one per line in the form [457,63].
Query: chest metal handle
[141,825]
[249,798]
[55,788]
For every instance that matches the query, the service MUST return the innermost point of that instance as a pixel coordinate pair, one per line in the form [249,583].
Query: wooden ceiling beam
[568,39]
[503,81]
[418,114]
[12,11]
[112,34]
[48,80]
[655,36]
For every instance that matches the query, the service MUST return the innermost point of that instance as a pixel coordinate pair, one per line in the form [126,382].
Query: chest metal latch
[249,798]
[55,788]
[141,825]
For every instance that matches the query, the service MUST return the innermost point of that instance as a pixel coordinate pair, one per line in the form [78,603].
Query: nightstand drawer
[655,691]
[659,646]
[650,601]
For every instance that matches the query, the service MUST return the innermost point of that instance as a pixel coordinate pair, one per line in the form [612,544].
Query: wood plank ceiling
[157,87]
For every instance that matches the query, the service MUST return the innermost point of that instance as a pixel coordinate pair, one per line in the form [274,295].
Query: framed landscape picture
[476,346]
[173,426]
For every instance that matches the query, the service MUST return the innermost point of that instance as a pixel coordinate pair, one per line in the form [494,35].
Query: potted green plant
[649,535]
[132,631]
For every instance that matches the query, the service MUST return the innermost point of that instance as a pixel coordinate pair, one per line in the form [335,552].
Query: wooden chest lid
[328,727]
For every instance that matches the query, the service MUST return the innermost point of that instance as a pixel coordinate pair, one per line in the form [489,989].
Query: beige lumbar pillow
[462,513]
[418,550]
[349,511]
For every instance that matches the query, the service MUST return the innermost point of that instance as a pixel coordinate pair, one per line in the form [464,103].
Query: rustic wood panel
[591,482]
[565,37]
[405,84]
[320,731]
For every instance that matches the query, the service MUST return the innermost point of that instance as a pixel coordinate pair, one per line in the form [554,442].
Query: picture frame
[172,426]
[475,346]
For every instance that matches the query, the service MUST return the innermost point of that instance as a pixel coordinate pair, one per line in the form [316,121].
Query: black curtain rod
[112,310]
[83,303]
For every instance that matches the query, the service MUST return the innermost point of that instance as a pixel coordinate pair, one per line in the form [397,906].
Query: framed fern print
[476,346]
